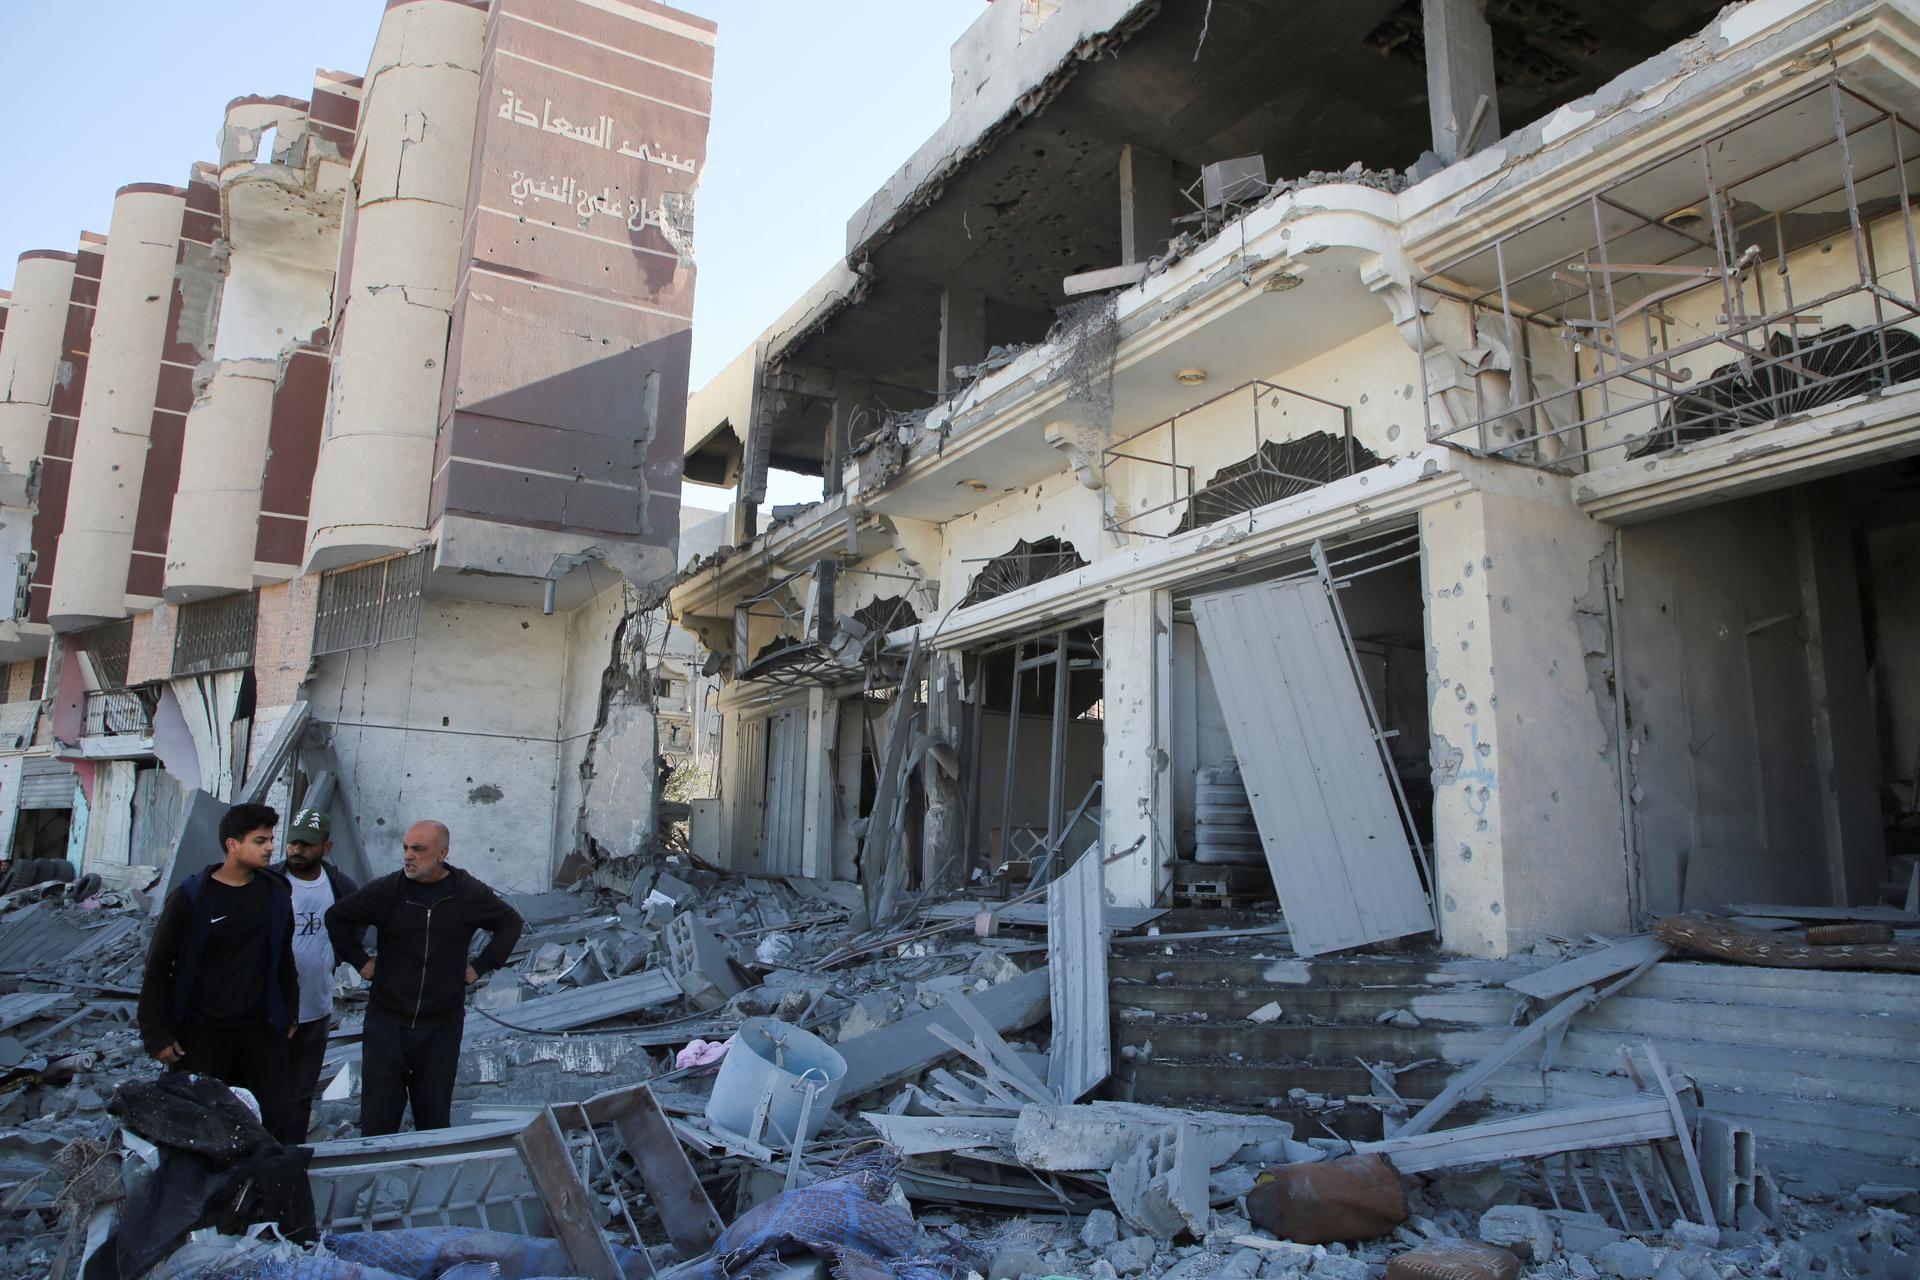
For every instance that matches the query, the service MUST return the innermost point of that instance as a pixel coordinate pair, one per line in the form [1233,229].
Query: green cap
[309,826]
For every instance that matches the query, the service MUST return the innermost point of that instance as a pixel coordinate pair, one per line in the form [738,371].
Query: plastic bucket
[774,1057]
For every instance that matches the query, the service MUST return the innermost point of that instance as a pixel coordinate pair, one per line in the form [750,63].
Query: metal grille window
[370,604]
[215,635]
[117,712]
[108,647]
[38,689]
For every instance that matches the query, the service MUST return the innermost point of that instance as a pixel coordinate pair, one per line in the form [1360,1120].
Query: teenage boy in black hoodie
[425,916]
[220,991]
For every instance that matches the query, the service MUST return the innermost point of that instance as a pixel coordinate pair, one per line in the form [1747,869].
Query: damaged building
[1511,528]
[353,462]
[1347,708]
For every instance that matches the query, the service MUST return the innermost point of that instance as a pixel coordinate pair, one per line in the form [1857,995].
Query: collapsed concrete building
[374,426]
[1491,436]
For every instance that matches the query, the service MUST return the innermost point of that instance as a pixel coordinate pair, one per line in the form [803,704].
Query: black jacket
[173,961]
[419,976]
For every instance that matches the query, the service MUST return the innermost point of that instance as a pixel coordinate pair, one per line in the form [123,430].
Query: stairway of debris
[1240,1023]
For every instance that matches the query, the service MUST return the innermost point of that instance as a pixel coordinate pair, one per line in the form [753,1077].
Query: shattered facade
[1590,432]
[376,420]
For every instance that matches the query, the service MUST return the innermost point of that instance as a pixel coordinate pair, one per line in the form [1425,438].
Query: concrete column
[963,332]
[216,509]
[945,826]
[1136,807]
[823,733]
[116,410]
[399,272]
[1459,74]
[1146,204]
[1527,825]
[850,397]
[30,364]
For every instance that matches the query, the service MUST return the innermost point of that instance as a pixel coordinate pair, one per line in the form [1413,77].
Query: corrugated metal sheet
[46,783]
[1310,757]
[1081,1055]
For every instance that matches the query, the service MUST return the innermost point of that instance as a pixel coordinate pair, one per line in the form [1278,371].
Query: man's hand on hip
[171,1054]
[366,970]
[472,977]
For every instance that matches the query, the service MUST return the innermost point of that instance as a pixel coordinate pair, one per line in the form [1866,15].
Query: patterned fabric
[1707,935]
[845,1220]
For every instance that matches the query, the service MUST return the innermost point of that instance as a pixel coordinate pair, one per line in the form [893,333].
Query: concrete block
[1692,1235]
[1521,1228]
[1626,1260]
[1585,1233]
[1101,1229]
[1334,1267]
[1131,1256]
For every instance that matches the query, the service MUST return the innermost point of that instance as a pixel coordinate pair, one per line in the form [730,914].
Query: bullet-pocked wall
[30,369]
[398,273]
[116,412]
[461,724]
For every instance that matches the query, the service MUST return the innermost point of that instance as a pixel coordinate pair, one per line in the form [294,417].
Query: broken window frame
[369,605]
[215,634]
[1049,649]
[1627,337]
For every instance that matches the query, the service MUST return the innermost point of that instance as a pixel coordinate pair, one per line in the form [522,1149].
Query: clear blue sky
[816,103]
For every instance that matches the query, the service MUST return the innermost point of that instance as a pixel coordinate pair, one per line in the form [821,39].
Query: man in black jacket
[219,995]
[425,916]
[316,885]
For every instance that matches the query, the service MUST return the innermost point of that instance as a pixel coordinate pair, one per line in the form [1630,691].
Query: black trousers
[402,1066]
[305,1053]
[253,1060]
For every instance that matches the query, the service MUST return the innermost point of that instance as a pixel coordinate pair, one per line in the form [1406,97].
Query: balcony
[1763,273]
[115,713]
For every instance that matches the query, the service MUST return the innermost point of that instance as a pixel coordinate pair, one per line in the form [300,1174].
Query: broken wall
[609,743]
[1057,507]
[460,724]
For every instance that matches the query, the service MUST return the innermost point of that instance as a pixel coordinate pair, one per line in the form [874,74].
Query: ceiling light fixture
[1190,377]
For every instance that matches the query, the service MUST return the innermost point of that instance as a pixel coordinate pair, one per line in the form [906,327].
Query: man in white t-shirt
[317,884]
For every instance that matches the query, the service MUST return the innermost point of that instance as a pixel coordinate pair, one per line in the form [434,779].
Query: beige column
[416,138]
[29,364]
[217,506]
[116,412]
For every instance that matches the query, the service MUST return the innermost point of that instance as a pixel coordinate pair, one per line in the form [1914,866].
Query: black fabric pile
[219,1168]
[1796,375]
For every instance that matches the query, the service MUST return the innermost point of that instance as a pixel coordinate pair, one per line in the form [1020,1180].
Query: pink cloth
[702,1053]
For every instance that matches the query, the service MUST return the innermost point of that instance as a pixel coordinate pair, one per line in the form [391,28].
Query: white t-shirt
[312,950]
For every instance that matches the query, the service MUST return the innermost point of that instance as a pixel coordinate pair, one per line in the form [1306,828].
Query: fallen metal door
[1342,862]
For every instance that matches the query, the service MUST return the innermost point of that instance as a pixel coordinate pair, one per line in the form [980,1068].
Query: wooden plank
[666,1173]
[889,1054]
[23,1006]
[1615,1123]
[1596,966]
[1683,1137]
[570,1209]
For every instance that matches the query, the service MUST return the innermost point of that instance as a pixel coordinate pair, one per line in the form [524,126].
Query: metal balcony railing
[115,713]
[1763,272]
[1295,442]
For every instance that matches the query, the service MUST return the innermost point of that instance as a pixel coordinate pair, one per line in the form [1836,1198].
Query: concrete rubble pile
[643,1066]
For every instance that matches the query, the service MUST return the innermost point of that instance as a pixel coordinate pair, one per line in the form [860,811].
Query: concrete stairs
[1822,1065]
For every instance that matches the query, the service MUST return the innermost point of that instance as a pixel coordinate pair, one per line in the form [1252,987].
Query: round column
[116,411]
[216,509]
[416,139]
[30,363]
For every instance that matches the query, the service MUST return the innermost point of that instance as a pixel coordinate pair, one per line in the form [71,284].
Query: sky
[816,103]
